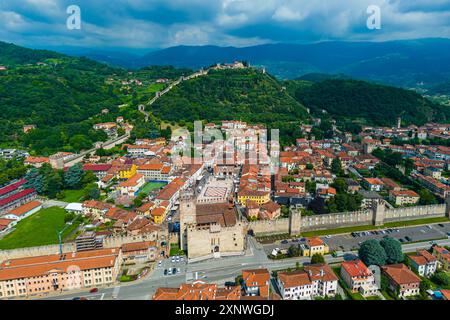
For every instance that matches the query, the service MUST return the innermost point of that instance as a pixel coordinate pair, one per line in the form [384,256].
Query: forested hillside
[246,95]
[368,102]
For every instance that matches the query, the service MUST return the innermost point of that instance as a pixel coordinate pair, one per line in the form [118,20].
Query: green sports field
[149,187]
[38,230]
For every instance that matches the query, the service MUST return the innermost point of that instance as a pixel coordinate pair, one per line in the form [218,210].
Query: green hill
[245,94]
[368,102]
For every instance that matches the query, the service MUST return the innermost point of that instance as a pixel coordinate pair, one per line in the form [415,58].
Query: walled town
[353,216]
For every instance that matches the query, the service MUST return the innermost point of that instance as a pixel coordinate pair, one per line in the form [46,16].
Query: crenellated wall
[377,215]
[417,212]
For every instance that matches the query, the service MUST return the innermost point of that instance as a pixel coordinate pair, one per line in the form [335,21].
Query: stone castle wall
[110,242]
[348,219]
[417,212]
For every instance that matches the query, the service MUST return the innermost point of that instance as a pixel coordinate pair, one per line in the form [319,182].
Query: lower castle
[210,230]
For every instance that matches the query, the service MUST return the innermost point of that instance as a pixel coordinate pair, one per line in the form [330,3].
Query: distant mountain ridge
[421,63]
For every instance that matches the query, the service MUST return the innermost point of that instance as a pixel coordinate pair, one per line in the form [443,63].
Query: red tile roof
[16,196]
[25,208]
[356,269]
[12,187]
[400,274]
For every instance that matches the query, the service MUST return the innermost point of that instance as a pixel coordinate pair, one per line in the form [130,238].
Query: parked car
[93,290]
[401,240]
[441,225]
[408,238]
[165,272]
[178,270]
[174,270]
[284,242]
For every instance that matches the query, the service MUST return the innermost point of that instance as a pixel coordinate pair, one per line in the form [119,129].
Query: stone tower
[295,221]
[447,207]
[187,215]
[378,210]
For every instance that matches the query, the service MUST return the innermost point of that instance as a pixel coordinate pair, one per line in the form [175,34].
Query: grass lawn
[37,230]
[371,227]
[175,250]
[149,187]
[72,195]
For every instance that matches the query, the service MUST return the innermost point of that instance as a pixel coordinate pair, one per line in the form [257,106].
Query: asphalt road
[214,271]
[346,242]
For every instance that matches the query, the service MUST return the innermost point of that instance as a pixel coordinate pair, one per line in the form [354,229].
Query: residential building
[404,197]
[198,290]
[443,256]
[131,186]
[314,245]
[314,281]
[139,252]
[402,280]
[373,184]
[358,277]
[30,276]
[255,282]
[260,197]
[100,170]
[424,263]
[155,171]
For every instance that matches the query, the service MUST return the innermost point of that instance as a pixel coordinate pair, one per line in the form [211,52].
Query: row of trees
[50,182]
[386,251]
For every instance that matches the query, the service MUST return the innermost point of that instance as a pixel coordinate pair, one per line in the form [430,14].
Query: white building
[424,263]
[314,281]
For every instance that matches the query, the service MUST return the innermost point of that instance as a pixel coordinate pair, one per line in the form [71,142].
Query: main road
[213,271]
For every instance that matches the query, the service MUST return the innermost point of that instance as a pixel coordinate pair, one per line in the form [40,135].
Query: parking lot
[172,266]
[348,242]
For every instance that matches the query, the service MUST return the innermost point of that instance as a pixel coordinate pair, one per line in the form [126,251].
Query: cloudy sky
[143,24]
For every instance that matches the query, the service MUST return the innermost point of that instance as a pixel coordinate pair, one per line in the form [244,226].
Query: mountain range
[421,63]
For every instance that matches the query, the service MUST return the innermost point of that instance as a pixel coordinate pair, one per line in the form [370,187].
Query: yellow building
[127,171]
[260,197]
[158,215]
[313,246]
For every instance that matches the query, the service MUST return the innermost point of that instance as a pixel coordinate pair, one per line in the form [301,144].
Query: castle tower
[295,221]
[447,207]
[378,211]
[187,216]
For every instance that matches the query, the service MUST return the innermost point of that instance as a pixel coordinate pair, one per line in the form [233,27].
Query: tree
[336,166]
[426,197]
[393,249]
[317,258]
[425,285]
[441,279]
[294,251]
[53,184]
[80,142]
[35,180]
[372,253]
[88,178]
[73,176]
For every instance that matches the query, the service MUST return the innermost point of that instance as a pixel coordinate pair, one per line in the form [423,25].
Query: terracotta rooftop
[400,274]
[25,208]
